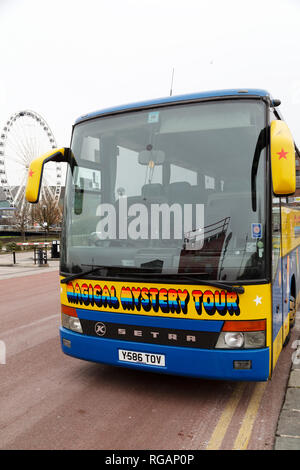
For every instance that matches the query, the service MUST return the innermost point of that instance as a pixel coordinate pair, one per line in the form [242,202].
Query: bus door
[286,238]
[277,281]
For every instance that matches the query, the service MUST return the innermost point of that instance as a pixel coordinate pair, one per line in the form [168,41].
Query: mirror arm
[36,168]
[261,144]
[59,156]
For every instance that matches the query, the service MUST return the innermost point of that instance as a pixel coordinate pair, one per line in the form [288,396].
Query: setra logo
[100,329]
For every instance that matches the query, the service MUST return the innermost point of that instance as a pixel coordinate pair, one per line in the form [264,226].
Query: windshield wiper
[222,285]
[81,274]
[136,270]
[149,274]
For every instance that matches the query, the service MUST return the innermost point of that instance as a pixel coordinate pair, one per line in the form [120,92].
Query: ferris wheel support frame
[25,147]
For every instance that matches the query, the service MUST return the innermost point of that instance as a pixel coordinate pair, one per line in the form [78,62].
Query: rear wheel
[292,312]
[292,317]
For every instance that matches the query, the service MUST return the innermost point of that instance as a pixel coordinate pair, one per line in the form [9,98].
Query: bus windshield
[169,191]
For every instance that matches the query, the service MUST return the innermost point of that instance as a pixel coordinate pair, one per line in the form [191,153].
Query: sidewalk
[288,427]
[24,264]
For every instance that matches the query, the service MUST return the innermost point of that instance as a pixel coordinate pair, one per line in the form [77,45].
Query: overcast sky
[63,58]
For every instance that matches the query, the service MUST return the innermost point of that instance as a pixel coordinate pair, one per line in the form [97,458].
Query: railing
[195,239]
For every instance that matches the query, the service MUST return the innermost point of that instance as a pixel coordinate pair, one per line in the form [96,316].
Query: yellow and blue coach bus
[180,245]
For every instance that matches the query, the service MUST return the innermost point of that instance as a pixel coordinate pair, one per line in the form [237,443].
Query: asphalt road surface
[52,401]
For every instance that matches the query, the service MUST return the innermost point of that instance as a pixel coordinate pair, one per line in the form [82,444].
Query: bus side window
[276,241]
[180,175]
[297,172]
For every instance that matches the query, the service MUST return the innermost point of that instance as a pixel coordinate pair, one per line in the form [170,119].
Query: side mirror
[35,172]
[283,160]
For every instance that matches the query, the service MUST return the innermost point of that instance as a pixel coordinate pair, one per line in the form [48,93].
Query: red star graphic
[282,154]
[31,172]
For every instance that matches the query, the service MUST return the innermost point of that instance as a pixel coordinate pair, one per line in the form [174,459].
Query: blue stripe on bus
[175,99]
[203,363]
[143,320]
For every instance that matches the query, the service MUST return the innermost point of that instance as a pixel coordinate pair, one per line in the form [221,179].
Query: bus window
[128,164]
[180,174]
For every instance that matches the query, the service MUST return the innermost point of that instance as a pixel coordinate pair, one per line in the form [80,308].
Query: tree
[22,218]
[46,213]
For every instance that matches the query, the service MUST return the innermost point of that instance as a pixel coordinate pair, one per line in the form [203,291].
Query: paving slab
[292,399]
[289,423]
[287,443]
[288,427]
[294,380]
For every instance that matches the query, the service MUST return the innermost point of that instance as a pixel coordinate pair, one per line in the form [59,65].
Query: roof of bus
[176,99]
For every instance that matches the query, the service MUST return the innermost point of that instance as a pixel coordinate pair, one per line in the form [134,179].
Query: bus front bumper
[202,363]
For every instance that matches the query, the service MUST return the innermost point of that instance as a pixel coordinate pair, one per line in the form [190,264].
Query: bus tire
[292,312]
[287,339]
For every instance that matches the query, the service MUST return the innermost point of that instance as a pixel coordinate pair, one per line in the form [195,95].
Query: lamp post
[45,224]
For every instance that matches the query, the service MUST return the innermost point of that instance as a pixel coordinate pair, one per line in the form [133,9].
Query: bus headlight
[230,340]
[234,339]
[75,325]
[255,339]
[242,334]
[70,321]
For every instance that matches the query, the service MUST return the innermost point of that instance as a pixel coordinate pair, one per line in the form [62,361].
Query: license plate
[150,359]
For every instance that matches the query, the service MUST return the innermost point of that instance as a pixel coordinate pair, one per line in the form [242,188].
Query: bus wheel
[292,312]
[287,339]
[292,318]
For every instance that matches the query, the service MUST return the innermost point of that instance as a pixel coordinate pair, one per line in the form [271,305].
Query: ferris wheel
[26,136]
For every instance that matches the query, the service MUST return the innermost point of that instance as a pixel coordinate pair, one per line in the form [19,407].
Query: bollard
[40,256]
[14,257]
[45,255]
[55,249]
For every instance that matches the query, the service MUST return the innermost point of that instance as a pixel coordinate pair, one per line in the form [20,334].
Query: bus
[179,249]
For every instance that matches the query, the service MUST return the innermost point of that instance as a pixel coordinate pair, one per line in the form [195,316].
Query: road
[52,401]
